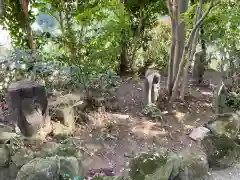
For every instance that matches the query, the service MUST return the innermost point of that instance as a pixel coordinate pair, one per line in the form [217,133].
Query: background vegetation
[83,40]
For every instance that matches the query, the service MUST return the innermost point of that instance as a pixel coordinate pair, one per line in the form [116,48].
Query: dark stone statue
[27,104]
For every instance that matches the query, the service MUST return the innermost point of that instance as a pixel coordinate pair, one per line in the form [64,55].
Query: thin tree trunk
[171,60]
[177,40]
[192,51]
[186,49]
[24,6]
[61,22]
[172,50]
[1,7]
[123,66]
[137,38]
[182,6]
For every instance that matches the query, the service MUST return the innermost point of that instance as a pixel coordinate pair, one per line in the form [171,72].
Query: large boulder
[68,153]
[149,166]
[27,103]
[109,178]
[226,124]
[193,164]
[9,173]
[38,169]
[4,156]
[222,151]
[9,166]
[22,156]
[52,168]
[69,166]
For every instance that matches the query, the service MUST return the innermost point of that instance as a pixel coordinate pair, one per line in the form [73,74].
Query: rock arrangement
[217,145]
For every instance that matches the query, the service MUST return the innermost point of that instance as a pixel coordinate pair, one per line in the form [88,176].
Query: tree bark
[192,51]
[24,6]
[172,50]
[171,60]
[186,51]
[176,57]
[182,6]
[137,39]
[123,66]
[1,7]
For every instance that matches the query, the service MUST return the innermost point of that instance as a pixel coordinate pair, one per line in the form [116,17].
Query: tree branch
[199,22]
[169,6]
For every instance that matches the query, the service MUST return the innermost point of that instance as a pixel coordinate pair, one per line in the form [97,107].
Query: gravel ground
[232,173]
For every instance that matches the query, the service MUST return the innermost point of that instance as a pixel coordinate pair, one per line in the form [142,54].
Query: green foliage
[157,53]
[222,28]
[104,82]
[91,38]
[69,177]
[14,21]
[153,112]
[14,69]
[233,100]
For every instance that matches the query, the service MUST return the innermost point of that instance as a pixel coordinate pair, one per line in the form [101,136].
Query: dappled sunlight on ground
[180,116]
[113,138]
[207,93]
[148,129]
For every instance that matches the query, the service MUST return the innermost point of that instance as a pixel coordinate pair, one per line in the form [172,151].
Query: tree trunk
[186,51]
[61,22]
[24,6]
[1,7]
[192,51]
[137,40]
[181,7]
[123,66]
[176,57]
[171,60]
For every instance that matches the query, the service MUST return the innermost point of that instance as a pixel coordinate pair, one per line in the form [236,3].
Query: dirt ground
[115,137]
[112,138]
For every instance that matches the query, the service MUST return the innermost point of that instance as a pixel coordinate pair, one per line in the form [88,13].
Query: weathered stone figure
[199,66]
[219,99]
[151,86]
[27,103]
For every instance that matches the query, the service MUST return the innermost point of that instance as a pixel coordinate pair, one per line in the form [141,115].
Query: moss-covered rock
[61,149]
[173,157]
[22,156]
[4,156]
[9,173]
[109,178]
[69,166]
[50,168]
[228,125]
[38,169]
[146,166]
[222,151]
[193,164]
